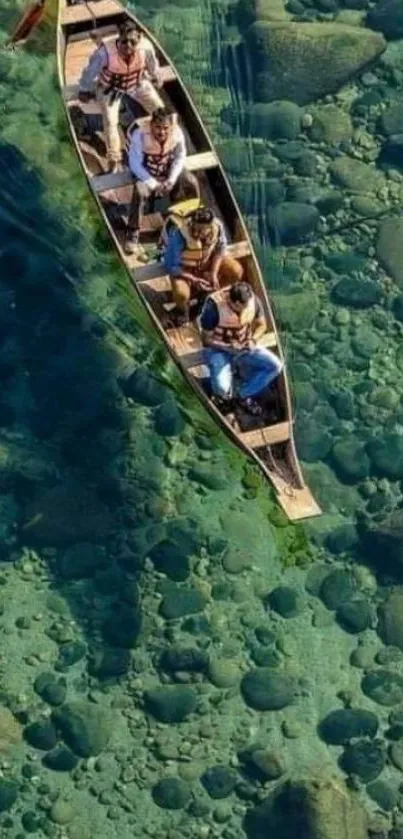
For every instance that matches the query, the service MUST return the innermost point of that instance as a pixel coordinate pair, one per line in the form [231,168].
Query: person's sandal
[252,407]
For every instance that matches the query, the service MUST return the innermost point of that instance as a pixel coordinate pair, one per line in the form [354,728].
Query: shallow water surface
[173,650]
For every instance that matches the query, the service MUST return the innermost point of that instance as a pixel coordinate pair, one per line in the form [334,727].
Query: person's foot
[223,403]
[251,407]
[131,244]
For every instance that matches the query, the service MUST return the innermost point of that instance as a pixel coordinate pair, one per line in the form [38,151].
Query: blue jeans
[256,369]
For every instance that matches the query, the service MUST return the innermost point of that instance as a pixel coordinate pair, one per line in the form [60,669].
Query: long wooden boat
[268,439]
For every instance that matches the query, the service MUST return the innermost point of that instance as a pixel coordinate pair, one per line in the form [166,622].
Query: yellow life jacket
[158,158]
[120,74]
[197,255]
[232,327]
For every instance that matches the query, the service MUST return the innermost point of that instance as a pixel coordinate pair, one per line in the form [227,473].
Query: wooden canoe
[268,440]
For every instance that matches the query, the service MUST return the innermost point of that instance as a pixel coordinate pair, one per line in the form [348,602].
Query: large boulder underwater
[309,809]
[302,62]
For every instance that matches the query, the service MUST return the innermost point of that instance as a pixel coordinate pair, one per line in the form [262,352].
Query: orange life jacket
[196,255]
[120,74]
[232,327]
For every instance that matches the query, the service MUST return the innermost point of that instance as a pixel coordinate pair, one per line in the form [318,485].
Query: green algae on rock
[289,58]
[320,809]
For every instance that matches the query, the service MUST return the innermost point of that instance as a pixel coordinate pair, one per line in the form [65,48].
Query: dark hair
[203,216]
[128,27]
[161,115]
[240,293]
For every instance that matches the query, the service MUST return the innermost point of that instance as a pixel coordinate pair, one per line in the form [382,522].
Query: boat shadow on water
[60,405]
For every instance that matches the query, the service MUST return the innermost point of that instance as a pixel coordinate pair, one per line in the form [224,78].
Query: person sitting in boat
[157,161]
[125,67]
[196,258]
[232,323]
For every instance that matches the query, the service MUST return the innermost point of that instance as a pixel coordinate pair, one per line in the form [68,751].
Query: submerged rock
[268,690]
[60,759]
[330,125]
[219,781]
[350,459]
[143,387]
[389,248]
[291,222]
[365,759]
[338,588]
[383,794]
[170,704]
[10,730]
[286,601]
[386,455]
[383,686]
[50,688]
[178,602]
[355,175]
[171,793]
[86,728]
[274,120]
[169,421]
[387,17]
[390,613]
[305,61]
[8,794]
[171,559]
[340,726]
[356,292]
[355,615]
[189,659]
[310,809]
[41,735]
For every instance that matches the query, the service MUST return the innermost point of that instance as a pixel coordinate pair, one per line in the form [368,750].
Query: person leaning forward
[157,160]
[196,258]
[232,323]
[127,66]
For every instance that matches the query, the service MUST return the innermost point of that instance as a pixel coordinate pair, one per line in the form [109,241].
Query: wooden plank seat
[89,11]
[194,163]
[161,286]
[70,91]
[267,436]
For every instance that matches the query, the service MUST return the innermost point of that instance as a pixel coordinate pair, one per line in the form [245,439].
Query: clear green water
[131,531]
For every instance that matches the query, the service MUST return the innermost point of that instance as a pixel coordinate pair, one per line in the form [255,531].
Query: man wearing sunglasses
[125,67]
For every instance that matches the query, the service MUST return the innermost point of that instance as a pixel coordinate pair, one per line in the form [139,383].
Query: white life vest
[231,326]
